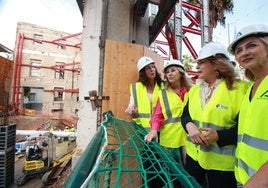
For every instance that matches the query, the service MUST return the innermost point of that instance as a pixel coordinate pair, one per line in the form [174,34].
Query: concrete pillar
[117,18]
[87,124]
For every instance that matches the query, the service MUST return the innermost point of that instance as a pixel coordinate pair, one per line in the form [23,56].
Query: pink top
[157,119]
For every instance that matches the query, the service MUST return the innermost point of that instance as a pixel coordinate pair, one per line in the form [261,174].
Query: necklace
[207,91]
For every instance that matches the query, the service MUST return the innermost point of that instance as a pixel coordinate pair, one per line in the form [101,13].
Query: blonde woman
[210,118]
[250,49]
[166,118]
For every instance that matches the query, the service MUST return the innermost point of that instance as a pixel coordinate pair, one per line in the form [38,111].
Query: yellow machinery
[41,159]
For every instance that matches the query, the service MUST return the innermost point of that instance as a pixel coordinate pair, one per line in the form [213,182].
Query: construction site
[73,89]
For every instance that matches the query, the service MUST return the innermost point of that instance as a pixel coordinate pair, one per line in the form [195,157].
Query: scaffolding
[74,67]
[183,19]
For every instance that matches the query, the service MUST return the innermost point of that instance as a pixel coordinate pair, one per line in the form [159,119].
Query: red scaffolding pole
[18,65]
[169,35]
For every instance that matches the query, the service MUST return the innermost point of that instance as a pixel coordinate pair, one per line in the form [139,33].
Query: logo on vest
[219,106]
[264,95]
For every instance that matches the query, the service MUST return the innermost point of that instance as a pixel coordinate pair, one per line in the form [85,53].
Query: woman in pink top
[166,118]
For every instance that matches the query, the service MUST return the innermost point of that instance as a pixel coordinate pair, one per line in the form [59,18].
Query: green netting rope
[126,160]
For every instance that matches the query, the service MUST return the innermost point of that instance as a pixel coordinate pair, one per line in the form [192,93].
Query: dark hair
[144,79]
[225,68]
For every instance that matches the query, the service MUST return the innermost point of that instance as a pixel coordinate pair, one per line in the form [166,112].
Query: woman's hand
[210,134]
[151,135]
[259,179]
[132,110]
[196,135]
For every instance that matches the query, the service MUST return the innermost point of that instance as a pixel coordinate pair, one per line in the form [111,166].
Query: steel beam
[161,19]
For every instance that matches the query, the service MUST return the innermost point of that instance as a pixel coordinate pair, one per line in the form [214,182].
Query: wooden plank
[120,70]
[59,170]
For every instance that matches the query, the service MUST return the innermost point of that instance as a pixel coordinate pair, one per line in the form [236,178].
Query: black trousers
[210,178]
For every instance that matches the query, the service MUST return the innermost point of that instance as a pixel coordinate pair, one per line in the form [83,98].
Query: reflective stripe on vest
[254,142]
[172,135]
[135,94]
[168,111]
[244,166]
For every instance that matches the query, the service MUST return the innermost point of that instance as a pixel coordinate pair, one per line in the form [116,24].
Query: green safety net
[124,159]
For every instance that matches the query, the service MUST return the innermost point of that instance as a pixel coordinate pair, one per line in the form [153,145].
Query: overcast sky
[245,12]
[64,15]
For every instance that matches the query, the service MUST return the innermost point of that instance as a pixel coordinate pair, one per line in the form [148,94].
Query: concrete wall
[123,26]
[113,20]
[90,70]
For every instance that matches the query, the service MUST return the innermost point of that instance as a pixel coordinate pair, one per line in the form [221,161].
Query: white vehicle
[32,134]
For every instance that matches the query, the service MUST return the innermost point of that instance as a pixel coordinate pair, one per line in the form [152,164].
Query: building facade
[46,69]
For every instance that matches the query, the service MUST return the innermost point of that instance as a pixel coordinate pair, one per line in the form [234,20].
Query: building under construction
[49,77]
[40,84]
[46,70]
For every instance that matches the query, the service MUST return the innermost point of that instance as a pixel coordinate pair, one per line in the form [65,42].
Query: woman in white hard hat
[144,93]
[250,49]
[168,110]
[210,118]
[143,96]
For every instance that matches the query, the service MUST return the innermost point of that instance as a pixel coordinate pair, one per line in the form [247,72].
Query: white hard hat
[257,29]
[144,61]
[173,62]
[211,49]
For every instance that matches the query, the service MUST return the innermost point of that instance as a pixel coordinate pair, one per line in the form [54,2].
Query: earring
[217,73]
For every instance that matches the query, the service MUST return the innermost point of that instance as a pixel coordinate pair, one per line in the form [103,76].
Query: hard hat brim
[235,42]
[164,70]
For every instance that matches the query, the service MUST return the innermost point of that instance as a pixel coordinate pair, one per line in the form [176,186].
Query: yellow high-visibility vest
[252,146]
[143,103]
[219,113]
[172,134]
